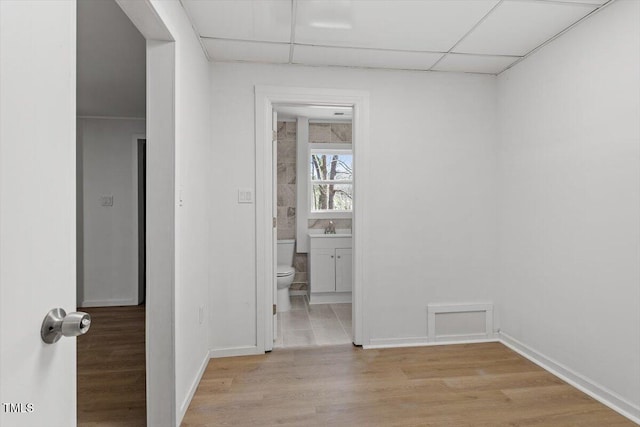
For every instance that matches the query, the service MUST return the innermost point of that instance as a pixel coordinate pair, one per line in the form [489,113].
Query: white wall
[111,62]
[570,202]
[193,200]
[431,220]
[109,233]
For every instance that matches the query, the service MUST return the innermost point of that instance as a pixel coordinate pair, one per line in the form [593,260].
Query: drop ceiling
[475,36]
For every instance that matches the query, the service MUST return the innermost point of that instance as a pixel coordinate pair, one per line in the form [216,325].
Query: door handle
[58,323]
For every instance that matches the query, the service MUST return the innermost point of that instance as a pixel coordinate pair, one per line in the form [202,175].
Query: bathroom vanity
[330,268]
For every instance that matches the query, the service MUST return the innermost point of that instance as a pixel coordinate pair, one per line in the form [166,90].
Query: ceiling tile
[258,20]
[517,27]
[475,63]
[231,50]
[434,25]
[352,57]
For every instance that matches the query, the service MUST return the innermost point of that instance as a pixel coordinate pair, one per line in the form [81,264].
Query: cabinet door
[344,270]
[323,270]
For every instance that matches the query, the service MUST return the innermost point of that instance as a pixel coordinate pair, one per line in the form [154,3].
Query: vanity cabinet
[344,270]
[323,270]
[330,269]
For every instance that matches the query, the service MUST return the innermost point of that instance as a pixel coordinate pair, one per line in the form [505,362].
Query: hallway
[111,368]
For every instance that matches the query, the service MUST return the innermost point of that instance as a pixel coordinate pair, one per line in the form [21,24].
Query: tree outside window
[331,181]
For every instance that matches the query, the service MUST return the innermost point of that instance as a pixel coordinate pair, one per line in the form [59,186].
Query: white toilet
[285,273]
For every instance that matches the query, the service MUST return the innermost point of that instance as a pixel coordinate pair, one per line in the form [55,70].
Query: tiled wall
[286,180]
[329,132]
[286,196]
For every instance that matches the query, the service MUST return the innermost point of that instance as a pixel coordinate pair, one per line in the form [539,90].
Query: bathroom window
[331,180]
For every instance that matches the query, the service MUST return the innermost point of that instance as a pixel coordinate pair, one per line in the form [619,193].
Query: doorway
[269,99]
[111,128]
[313,183]
[38,207]
[111,363]
[120,71]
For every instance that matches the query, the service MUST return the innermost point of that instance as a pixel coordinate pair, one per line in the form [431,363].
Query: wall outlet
[201,314]
[106,200]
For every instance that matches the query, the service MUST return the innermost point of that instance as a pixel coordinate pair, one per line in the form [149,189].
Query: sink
[315,233]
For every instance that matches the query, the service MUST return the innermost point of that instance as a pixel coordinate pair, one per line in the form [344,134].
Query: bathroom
[314,190]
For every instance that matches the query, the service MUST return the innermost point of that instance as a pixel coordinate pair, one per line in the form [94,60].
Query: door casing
[265,98]
[160,212]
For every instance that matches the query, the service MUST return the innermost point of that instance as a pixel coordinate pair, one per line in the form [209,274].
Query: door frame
[160,211]
[136,138]
[265,97]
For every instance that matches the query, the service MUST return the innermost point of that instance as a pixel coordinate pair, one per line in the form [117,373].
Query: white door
[37,210]
[274,212]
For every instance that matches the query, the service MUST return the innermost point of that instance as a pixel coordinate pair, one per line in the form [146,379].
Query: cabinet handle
[331,256]
[338,256]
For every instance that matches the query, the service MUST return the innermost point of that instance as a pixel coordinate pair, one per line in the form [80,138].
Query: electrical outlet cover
[106,200]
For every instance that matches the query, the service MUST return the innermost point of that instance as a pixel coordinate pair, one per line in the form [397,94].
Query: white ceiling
[478,36]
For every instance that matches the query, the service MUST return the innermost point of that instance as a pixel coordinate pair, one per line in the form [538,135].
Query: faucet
[330,229]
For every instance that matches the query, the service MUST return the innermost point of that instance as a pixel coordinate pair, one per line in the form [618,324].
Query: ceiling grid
[474,36]
[294,7]
[466,34]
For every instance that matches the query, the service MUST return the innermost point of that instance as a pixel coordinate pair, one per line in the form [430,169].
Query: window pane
[336,197]
[331,167]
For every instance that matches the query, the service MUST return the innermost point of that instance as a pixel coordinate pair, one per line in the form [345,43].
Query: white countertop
[320,233]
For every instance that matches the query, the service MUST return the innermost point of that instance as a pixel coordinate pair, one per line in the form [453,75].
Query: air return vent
[459,321]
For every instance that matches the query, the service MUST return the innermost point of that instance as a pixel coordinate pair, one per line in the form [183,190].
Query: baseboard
[330,297]
[234,351]
[421,342]
[192,390]
[480,337]
[582,383]
[109,302]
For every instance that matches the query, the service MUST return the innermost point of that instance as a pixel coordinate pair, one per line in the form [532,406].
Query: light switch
[245,195]
[106,200]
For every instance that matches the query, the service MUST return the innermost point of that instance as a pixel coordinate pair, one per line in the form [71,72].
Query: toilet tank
[285,252]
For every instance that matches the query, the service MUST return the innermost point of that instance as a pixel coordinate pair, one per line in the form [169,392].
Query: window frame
[326,148]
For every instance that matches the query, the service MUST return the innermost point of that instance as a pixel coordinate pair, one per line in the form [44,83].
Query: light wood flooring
[455,385]
[111,368]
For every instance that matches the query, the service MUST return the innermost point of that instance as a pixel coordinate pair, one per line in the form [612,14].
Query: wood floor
[457,385]
[111,368]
